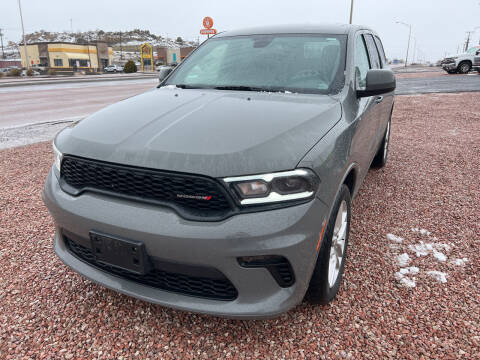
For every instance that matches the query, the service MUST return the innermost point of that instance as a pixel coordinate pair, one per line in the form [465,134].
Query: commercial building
[68,56]
[168,55]
[184,51]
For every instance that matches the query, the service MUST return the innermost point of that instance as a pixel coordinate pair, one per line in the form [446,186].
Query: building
[10,62]
[168,55]
[184,51]
[68,56]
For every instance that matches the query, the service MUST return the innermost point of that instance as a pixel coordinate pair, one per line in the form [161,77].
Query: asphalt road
[438,84]
[22,105]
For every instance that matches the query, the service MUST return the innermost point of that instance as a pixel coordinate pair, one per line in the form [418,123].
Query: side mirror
[379,81]
[163,73]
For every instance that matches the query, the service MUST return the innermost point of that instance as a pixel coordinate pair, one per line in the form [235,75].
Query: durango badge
[196,197]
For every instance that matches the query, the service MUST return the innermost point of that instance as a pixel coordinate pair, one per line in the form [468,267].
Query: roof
[334,29]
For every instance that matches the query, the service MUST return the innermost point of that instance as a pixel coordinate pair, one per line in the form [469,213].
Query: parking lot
[419,214]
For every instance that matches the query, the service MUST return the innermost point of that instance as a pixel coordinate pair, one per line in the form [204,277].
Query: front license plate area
[125,254]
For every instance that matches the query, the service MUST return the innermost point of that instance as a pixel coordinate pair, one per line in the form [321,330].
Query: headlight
[57,157]
[275,187]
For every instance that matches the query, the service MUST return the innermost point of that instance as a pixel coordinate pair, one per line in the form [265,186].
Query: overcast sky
[439,26]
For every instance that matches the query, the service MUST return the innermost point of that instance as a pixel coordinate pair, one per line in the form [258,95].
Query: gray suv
[227,189]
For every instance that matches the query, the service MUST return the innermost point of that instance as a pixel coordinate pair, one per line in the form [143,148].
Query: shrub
[29,72]
[52,72]
[130,67]
[15,72]
[1,75]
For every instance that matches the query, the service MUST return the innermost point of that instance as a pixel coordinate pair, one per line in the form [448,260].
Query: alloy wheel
[337,248]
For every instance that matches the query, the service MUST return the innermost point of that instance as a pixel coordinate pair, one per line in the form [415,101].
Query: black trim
[278,266]
[191,280]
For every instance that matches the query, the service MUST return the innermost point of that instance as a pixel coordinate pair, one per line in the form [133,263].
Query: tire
[326,279]
[464,67]
[381,157]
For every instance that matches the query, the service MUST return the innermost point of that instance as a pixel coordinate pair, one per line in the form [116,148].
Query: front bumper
[449,66]
[289,232]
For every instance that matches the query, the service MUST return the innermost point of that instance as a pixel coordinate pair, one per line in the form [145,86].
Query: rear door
[382,104]
[366,123]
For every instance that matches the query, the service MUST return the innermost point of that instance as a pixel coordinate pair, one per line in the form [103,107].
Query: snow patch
[394,238]
[421,231]
[404,280]
[421,249]
[403,259]
[438,275]
[439,255]
[460,262]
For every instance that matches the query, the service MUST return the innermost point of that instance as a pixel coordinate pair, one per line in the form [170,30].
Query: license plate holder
[129,255]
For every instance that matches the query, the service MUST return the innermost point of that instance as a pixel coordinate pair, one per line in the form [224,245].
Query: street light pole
[351,11]
[409,38]
[23,34]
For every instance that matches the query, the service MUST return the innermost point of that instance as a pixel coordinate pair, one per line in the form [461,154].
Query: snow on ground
[439,251]
[460,262]
[394,238]
[438,275]
[403,259]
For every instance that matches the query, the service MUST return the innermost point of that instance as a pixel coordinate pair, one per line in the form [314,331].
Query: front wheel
[328,271]
[464,67]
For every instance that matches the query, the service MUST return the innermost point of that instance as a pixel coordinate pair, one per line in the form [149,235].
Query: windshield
[294,63]
[473,50]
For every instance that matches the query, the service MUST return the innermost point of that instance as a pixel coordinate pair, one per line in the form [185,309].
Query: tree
[130,67]
[179,40]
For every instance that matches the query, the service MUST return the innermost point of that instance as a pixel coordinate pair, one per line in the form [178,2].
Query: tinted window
[381,51]
[297,63]
[362,64]
[373,52]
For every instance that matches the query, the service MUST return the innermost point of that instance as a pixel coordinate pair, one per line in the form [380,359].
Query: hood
[210,132]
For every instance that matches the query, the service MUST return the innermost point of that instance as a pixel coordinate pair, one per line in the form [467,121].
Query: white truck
[463,63]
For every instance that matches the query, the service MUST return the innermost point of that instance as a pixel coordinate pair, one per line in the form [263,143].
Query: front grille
[192,196]
[216,287]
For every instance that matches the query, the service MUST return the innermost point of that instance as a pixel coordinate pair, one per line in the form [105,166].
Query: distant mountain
[113,38]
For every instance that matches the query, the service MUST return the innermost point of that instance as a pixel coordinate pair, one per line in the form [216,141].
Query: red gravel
[430,182]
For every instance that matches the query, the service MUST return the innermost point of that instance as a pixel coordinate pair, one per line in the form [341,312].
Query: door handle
[379,99]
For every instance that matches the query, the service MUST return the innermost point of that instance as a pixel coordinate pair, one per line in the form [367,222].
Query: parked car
[227,190]
[35,72]
[113,68]
[463,63]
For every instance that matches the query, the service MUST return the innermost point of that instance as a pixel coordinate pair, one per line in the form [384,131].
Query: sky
[438,26]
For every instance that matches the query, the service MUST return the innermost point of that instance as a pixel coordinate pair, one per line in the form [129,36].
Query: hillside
[127,40]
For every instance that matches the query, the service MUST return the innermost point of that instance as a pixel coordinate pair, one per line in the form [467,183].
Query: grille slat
[218,288]
[167,188]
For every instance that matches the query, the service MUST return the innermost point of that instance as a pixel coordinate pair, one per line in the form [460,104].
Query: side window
[381,51]
[373,52]
[362,64]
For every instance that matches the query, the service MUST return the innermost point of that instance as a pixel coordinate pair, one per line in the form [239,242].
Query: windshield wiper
[186,86]
[248,88]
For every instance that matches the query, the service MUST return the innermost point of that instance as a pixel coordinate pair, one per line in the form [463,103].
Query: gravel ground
[393,303]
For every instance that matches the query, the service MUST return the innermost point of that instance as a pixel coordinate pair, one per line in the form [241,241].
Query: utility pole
[467,42]
[351,11]
[23,34]
[1,37]
[121,47]
[409,38]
